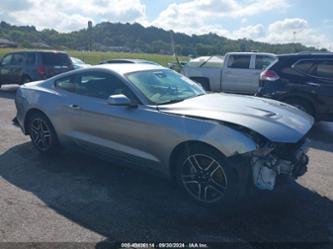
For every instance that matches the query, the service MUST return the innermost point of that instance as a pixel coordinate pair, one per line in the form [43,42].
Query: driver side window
[100,85]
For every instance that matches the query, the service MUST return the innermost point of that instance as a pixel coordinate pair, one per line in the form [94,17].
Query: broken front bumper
[286,160]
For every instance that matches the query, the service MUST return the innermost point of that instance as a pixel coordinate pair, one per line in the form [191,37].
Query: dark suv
[303,80]
[25,66]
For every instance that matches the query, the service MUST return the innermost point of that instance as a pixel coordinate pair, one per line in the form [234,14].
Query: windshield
[165,86]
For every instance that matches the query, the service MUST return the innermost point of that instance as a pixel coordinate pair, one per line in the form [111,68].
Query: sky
[275,21]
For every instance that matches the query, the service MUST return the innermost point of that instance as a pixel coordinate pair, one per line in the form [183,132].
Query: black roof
[305,55]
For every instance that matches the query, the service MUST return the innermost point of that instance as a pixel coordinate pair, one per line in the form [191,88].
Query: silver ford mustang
[216,146]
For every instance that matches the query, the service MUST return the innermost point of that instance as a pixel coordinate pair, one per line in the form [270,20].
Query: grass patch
[95,57]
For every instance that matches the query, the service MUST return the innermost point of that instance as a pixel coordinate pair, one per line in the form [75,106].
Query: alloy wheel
[41,134]
[204,178]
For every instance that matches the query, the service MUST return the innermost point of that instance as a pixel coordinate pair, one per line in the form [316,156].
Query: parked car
[78,64]
[216,146]
[25,66]
[304,80]
[234,73]
[128,61]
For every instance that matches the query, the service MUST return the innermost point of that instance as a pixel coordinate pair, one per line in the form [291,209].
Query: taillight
[41,70]
[269,75]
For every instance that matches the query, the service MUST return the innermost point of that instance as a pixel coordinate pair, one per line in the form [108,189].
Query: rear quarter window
[323,69]
[55,59]
[67,83]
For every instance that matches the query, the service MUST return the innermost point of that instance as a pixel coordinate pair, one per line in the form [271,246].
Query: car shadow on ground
[322,136]
[8,92]
[125,204]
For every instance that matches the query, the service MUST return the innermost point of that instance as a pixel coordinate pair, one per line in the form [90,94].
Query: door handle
[74,107]
[313,84]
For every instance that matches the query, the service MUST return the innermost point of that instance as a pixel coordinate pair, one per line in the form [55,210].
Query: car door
[5,69]
[107,130]
[237,77]
[321,82]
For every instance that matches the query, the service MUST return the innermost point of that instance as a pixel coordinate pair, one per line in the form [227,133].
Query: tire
[303,105]
[25,79]
[204,175]
[42,134]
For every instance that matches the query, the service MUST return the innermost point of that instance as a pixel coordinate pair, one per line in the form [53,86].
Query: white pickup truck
[237,72]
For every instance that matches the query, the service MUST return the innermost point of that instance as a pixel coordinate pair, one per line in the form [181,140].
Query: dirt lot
[75,198]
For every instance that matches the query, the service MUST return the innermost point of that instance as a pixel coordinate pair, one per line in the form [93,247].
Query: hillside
[135,37]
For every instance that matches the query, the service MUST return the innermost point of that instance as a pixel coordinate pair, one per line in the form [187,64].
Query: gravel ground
[76,198]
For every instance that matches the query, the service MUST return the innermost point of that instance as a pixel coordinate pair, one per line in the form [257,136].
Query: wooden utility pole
[90,35]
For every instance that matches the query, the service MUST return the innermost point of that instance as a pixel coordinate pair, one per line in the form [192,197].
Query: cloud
[296,30]
[68,15]
[250,32]
[191,16]
[10,5]
[180,17]
[294,24]
[282,31]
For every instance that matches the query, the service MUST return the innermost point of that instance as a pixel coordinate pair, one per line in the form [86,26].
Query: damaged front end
[272,160]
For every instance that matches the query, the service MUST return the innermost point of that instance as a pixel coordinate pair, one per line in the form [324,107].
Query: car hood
[274,120]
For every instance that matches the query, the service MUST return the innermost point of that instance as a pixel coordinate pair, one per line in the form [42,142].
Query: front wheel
[205,176]
[42,134]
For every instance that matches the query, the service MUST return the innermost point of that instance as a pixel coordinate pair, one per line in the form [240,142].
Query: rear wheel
[205,176]
[42,134]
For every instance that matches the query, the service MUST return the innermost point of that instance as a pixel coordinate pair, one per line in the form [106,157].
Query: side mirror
[120,100]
